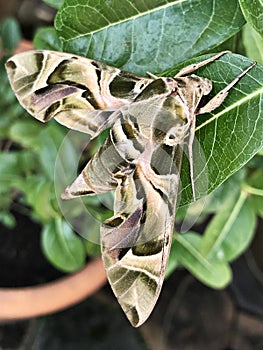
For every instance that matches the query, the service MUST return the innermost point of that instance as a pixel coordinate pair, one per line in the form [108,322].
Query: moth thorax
[205,85]
[175,106]
[171,123]
[194,84]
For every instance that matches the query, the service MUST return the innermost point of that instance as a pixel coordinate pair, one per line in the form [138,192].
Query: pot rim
[27,302]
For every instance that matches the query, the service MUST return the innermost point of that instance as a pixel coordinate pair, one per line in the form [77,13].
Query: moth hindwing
[151,119]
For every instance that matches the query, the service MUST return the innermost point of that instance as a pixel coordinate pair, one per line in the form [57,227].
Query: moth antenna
[219,98]
[193,67]
[151,75]
[191,159]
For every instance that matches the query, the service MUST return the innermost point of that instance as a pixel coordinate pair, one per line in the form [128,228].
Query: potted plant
[234,205]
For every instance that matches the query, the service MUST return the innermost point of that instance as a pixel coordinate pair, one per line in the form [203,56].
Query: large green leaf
[232,134]
[143,36]
[149,35]
[253,12]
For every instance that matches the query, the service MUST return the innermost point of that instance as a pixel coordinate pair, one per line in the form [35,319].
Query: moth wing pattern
[152,120]
[89,96]
[136,240]
[78,92]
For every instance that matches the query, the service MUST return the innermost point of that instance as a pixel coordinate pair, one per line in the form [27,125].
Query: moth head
[172,85]
[204,85]
[201,85]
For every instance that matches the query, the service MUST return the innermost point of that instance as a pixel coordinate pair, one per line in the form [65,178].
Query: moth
[150,120]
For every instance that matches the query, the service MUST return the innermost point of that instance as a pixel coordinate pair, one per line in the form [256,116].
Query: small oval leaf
[10,34]
[230,231]
[62,246]
[25,132]
[212,272]
[55,3]
[241,233]
[47,39]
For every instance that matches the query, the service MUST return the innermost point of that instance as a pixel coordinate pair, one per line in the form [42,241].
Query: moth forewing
[71,88]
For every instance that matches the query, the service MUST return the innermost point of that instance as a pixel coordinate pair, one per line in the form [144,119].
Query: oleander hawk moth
[150,121]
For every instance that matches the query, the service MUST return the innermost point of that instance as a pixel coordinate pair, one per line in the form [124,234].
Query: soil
[21,259]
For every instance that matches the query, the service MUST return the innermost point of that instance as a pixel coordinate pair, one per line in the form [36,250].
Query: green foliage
[253,13]
[253,43]
[235,205]
[55,3]
[47,39]
[210,271]
[148,35]
[10,34]
[156,36]
[229,131]
[62,246]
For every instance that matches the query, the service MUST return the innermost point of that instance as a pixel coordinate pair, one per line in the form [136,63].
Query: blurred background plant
[28,156]
[28,153]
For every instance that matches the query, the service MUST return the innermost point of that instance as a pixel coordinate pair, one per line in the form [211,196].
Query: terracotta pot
[21,303]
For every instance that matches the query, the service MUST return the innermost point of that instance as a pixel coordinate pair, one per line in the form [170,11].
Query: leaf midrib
[138,15]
